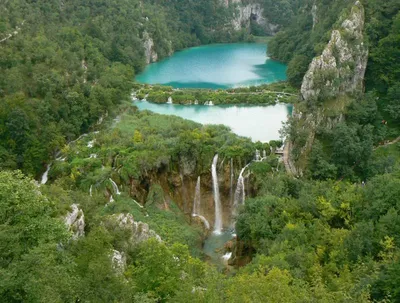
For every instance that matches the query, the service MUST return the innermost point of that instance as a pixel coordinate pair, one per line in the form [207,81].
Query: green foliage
[263,94]
[296,70]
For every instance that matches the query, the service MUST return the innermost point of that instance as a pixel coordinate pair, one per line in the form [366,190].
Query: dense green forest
[114,221]
[71,62]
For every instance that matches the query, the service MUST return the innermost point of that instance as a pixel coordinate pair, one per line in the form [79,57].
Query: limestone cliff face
[136,231]
[341,67]
[148,44]
[164,186]
[75,221]
[250,12]
[314,14]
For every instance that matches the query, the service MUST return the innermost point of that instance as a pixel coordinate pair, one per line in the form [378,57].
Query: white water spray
[45,175]
[217,202]
[169,100]
[115,187]
[196,201]
[196,205]
[240,193]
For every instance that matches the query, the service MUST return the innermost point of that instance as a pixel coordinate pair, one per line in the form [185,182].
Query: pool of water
[260,123]
[214,248]
[215,66]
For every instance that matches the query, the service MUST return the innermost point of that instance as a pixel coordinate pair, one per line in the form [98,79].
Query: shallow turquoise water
[260,123]
[215,66]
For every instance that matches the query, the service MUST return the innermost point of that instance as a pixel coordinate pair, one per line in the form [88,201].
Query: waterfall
[204,220]
[91,143]
[45,175]
[231,183]
[115,187]
[196,205]
[217,202]
[196,201]
[257,155]
[169,100]
[264,153]
[240,193]
[90,190]
[227,256]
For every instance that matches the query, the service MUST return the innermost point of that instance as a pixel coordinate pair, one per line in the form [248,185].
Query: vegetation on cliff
[331,235]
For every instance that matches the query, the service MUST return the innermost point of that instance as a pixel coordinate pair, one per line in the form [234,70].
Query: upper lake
[215,66]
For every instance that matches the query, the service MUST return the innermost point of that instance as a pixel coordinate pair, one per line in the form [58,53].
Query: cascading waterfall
[231,183]
[196,201]
[264,153]
[240,193]
[45,175]
[196,205]
[217,202]
[169,100]
[257,155]
[115,187]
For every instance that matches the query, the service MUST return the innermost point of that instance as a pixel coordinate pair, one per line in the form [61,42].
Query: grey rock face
[245,13]
[138,231]
[75,221]
[148,44]
[341,67]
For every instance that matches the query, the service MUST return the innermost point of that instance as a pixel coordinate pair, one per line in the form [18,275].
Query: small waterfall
[227,256]
[91,143]
[240,193]
[203,219]
[196,205]
[115,187]
[196,201]
[169,100]
[111,199]
[218,212]
[90,190]
[264,153]
[45,175]
[257,155]
[196,102]
[231,183]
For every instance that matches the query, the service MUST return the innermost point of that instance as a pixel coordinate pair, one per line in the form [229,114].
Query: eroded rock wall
[341,67]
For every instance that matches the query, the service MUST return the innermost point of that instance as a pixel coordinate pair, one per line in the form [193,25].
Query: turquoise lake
[260,123]
[221,66]
[215,66]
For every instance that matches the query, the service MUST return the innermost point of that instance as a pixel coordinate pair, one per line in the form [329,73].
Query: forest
[112,221]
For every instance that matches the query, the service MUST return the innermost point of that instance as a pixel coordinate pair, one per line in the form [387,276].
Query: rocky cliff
[75,221]
[245,13]
[149,50]
[179,186]
[341,67]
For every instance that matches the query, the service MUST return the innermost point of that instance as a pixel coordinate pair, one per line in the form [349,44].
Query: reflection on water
[215,66]
[260,123]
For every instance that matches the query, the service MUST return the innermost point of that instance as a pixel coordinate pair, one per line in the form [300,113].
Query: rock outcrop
[118,260]
[341,67]
[250,12]
[136,231]
[75,222]
[148,44]
[314,14]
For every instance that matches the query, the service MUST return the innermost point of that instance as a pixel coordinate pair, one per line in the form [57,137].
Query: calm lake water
[260,123]
[215,66]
